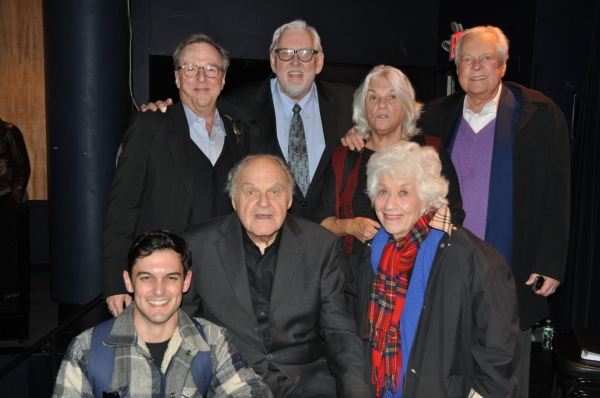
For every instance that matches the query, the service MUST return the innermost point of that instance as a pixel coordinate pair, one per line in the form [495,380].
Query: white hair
[501,47]
[297,24]
[409,160]
[405,93]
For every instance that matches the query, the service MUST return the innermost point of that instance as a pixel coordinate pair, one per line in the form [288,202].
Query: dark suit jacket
[313,335]
[153,185]
[541,188]
[253,104]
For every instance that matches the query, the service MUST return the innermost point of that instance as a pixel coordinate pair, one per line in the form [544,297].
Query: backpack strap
[201,367]
[101,359]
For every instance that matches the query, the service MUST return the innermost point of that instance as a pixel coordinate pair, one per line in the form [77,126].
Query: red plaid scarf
[386,302]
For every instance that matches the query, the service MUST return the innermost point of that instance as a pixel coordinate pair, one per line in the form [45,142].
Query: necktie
[297,153]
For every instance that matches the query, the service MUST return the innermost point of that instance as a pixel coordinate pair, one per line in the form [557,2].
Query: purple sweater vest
[472,158]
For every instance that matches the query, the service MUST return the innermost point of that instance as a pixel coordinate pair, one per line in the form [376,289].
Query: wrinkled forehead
[264,172]
[481,42]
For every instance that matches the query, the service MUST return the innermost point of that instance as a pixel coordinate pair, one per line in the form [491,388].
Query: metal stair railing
[51,336]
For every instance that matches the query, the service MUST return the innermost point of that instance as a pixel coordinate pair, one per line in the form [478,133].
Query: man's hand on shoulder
[117,303]
[162,105]
[353,141]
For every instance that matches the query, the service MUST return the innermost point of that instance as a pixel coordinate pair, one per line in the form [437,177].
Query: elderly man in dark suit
[275,281]
[173,167]
[324,109]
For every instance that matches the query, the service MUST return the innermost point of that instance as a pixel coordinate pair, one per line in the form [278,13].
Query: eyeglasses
[304,54]
[483,59]
[193,70]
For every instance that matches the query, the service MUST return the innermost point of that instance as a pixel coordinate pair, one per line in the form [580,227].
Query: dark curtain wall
[352,31]
[516,18]
[577,303]
[563,35]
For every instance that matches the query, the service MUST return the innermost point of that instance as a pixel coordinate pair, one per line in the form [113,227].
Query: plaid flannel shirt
[135,375]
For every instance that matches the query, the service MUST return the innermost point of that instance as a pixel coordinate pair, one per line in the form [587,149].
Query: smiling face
[398,205]
[157,283]
[200,93]
[479,70]
[385,113]
[294,76]
[262,199]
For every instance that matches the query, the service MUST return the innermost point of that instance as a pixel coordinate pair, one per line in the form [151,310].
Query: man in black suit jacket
[262,107]
[173,166]
[529,189]
[275,282]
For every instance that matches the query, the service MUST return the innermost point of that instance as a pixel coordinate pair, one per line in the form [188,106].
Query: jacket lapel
[264,115]
[329,121]
[231,251]
[288,257]
[179,147]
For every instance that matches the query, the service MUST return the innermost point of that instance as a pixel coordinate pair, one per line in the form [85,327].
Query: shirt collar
[192,118]
[490,107]
[306,103]
[441,220]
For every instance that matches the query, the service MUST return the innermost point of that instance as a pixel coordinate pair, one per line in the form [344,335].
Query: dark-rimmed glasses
[192,70]
[304,54]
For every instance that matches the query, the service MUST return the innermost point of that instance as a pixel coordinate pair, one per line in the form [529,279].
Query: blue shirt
[311,118]
[211,145]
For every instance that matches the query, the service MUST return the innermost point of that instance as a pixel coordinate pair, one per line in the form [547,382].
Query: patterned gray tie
[297,153]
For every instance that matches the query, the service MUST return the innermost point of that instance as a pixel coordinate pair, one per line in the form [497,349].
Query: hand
[162,105]
[353,141]
[549,286]
[362,228]
[117,303]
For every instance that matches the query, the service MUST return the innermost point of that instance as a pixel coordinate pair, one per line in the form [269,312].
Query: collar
[192,118]
[441,220]
[306,103]
[248,240]
[124,334]
[489,108]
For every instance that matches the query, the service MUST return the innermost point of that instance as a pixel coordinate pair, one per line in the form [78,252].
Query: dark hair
[149,242]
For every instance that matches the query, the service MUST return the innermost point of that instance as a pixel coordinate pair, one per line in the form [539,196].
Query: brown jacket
[14,161]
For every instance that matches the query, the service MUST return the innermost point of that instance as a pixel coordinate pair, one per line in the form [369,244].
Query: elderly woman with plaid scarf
[436,305]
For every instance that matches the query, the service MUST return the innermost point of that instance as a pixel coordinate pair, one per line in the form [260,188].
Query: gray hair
[202,38]
[405,93]
[297,24]
[409,160]
[501,48]
[232,177]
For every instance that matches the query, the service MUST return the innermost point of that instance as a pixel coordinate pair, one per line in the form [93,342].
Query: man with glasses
[291,114]
[276,108]
[173,167]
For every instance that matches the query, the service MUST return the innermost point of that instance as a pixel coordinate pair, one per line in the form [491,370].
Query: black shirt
[157,352]
[261,273]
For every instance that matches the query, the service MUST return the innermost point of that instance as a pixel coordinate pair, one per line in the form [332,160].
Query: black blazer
[541,188]
[153,185]
[313,335]
[253,104]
